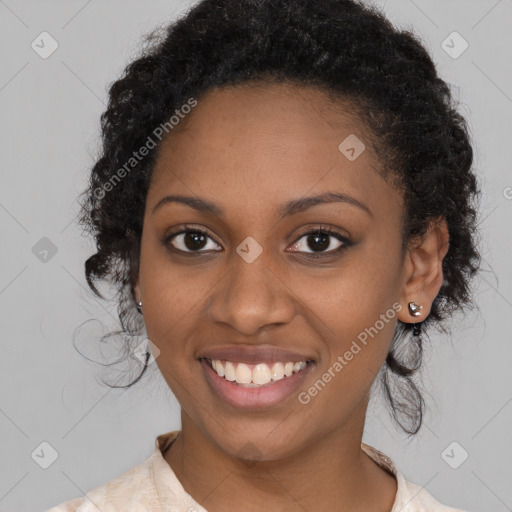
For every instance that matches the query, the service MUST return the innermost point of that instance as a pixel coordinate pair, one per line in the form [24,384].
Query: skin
[249,150]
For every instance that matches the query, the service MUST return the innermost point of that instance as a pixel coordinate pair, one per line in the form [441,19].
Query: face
[262,276]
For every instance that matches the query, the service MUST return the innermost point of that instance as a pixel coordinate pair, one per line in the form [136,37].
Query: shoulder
[148,486]
[132,489]
[410,497]
[417,499]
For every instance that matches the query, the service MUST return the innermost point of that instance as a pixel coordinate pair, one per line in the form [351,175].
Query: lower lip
[253,398]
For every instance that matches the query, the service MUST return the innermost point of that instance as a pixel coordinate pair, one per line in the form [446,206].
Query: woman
[285,201]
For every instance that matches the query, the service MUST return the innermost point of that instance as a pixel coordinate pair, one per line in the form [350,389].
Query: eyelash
[320,230]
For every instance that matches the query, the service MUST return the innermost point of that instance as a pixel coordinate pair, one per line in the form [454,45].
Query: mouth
[254,385]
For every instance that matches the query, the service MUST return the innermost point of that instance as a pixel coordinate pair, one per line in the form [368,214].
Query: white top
[153,486]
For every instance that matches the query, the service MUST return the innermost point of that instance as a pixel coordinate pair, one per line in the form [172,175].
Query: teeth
[243,374]
[259,375]
[277,371]
[218,368]
[288,369]
[229,370]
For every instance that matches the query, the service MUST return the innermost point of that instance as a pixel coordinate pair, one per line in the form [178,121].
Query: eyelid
[324,228]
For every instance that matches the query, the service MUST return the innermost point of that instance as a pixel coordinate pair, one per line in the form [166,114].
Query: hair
[351,52]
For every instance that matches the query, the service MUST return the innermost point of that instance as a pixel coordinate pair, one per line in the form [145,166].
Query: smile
[254,386]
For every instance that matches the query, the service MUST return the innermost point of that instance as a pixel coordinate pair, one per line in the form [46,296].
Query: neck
[333,473]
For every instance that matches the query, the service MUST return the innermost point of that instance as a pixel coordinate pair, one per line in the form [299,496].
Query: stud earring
[139,306]
[414,310]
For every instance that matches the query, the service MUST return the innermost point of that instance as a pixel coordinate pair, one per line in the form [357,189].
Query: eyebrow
[290,208]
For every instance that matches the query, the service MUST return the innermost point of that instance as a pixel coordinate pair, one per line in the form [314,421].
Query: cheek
[355,316]
[364,285]
[174,300]
[358,304]
[175,309]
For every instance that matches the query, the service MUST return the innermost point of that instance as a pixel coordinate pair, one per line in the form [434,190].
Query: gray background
[50,111]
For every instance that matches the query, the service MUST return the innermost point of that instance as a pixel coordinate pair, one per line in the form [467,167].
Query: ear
[423,271]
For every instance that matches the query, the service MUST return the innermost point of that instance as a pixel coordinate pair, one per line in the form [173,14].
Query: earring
[414,310]
[139,306]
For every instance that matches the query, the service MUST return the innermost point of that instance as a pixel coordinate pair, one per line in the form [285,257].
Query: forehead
[280,116]
[251,146]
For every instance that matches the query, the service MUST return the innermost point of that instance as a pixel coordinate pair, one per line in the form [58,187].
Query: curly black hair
[354,54]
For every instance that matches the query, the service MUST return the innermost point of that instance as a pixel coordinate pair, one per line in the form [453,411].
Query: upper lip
[252,354]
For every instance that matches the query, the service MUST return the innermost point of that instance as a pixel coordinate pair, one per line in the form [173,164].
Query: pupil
[318,236]
[194,237]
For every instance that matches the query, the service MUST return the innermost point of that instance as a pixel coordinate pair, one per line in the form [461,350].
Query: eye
[321,240]
[190,240]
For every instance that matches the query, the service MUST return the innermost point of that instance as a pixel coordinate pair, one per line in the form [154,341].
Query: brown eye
[190,240]
[324,241]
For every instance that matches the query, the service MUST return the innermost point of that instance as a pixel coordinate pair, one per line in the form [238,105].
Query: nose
[251,296]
